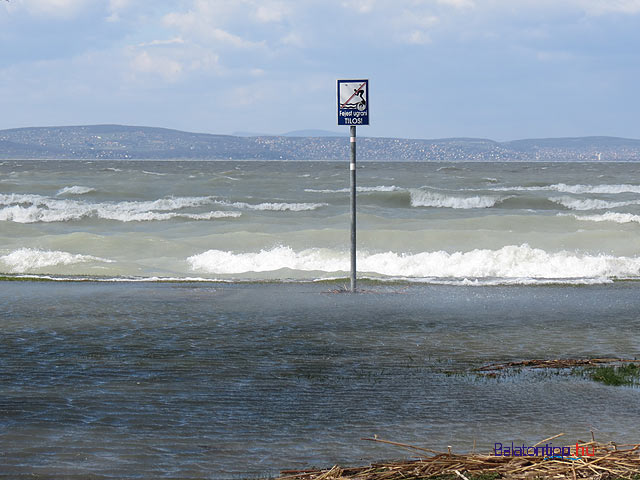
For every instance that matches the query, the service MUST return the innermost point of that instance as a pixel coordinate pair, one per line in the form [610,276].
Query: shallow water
[186,380]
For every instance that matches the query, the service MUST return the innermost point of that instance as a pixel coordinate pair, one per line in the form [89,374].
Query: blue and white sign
[353,102]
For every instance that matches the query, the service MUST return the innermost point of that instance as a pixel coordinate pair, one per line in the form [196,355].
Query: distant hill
[295,133]
[123,142]
[316,133]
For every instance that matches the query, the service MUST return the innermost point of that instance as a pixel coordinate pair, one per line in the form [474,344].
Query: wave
[609,217]
[34,214]
[421,198]
[29,208]
[380,188]
[272,206]
[564,188]
[590,203]
[25,259]
[75,190]
[509,262]
[20,198]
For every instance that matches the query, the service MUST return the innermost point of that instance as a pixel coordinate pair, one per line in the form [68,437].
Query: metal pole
[352,167]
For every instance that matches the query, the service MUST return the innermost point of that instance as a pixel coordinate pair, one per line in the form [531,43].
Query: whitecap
[273,206]
[564,188]
[379,188]
[25,259]
[35,208]
[421,198]
[509,262]
[75,190]
[609,217]
[590,203]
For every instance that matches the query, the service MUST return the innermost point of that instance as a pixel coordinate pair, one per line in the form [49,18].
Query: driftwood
[558,363]
[609,461]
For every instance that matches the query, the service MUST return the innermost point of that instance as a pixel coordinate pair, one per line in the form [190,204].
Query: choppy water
[485,263]
[156,380]
[438,223]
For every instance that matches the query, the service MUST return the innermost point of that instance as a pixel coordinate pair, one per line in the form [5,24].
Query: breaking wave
[421,198]
[380,188]
[280,207]
[28,208]
[610,217]
[35,208]
[590,203]
[75,190]
[564,188]
[26,259]
[510,262]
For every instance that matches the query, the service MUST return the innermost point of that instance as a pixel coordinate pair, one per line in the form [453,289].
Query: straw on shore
[610,461]
[557,363]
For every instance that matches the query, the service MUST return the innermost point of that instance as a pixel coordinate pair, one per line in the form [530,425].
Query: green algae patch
[616,375]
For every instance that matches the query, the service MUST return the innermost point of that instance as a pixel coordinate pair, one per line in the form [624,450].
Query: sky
[498,69]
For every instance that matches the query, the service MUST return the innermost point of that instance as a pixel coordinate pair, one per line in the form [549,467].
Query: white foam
[509,262]
[223,262]
[273,206]
[19,198]
[36,208]
[564,188]
[25,259]
[209,215]
[27,208]
[75,190]
[609,217]
[590,203]
[379,188]
[421,198]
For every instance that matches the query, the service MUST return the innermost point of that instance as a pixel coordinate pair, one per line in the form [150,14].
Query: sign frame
[353,105]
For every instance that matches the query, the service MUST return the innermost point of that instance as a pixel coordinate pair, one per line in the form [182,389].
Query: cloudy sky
[500,69]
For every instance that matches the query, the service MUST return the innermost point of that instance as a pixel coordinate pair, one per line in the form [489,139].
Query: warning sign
[353,102]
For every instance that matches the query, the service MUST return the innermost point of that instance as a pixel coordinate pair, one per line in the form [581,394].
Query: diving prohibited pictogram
[353,102]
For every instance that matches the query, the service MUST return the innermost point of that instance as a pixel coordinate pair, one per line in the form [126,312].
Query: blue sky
[500,69]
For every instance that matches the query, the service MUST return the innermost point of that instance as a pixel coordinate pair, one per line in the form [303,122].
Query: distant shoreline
[120,142]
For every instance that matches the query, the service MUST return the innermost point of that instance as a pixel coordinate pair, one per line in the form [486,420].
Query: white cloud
[154,43]
[116,7]
[56,8]
[458,3]
[600,7]
[417,37]
[247,95]
[272,12]
[202,26]
[554,56]
[360,6]
[293,39]
[590,7]
[205,61]
[161,65]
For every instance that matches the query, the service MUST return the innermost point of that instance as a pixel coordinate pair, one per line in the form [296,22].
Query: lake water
[423,222]
[255,366]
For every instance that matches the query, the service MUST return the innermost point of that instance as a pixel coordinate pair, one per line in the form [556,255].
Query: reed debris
[557,363]
[610,461]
